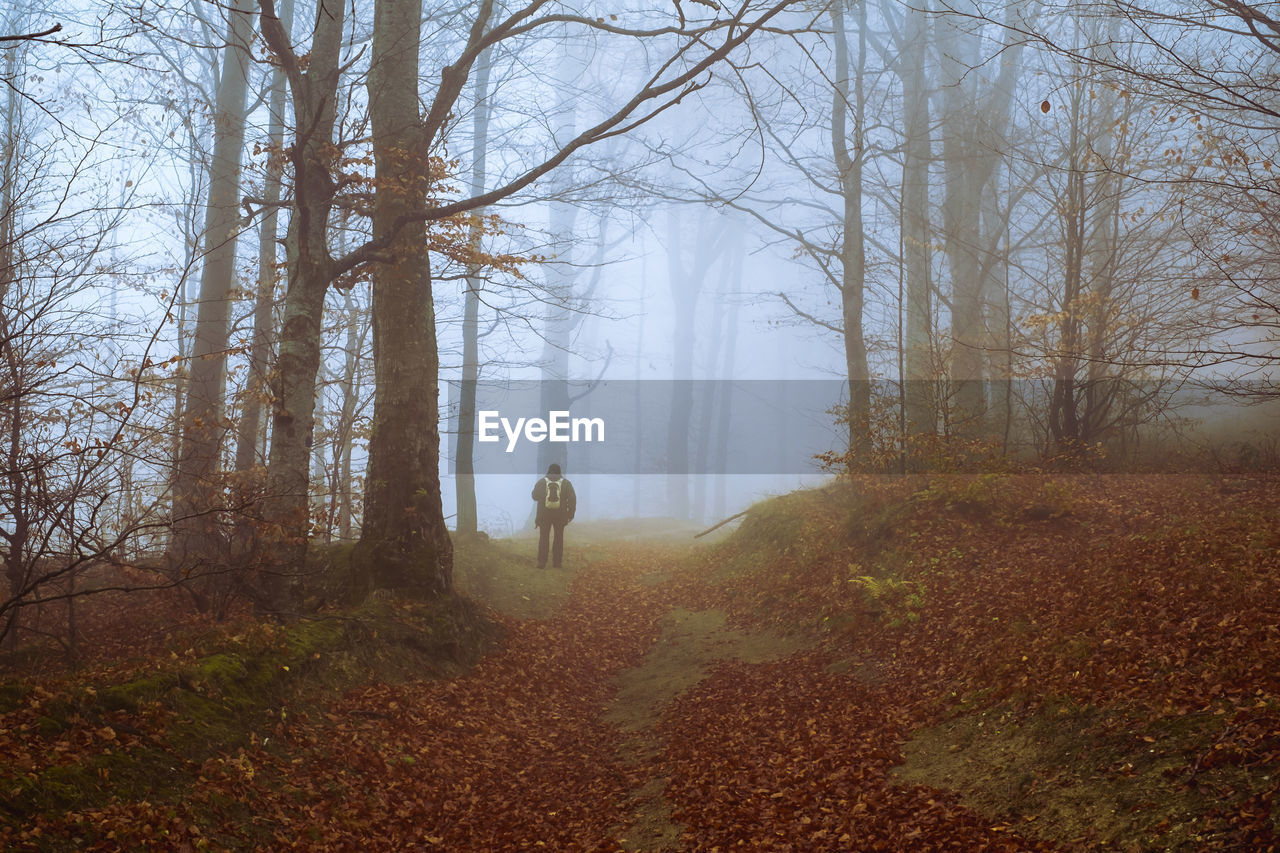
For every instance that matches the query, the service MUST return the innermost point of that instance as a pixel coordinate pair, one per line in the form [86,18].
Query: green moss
[216,702]
[332,576]
[505,576]
[51,726]
[140,773]
[132,695]
[310,636]
[797,526]
[690,645]
[13,695]
[1080,770]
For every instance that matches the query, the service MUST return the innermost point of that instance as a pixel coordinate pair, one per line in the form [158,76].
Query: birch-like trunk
[562,276]
[16,535]
[724,411]
[298,359]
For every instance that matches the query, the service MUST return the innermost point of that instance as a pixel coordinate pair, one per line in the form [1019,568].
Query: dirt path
[627,718]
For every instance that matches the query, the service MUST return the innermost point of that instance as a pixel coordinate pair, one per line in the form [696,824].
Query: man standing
[556,505]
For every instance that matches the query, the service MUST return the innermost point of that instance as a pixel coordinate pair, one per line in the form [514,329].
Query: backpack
[552,500]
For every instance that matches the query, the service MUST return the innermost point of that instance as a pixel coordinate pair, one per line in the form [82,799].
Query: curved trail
[631,719]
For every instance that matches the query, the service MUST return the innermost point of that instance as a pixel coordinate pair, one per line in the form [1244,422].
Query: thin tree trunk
[852,248]
[707,404]
[724,414]
[1064,419]
[198,487]
[260,346]
[999,346]
[964,179]
[638,420]
[320,470]
[1102,253]
[558,326]
[350,396]
[686,286]
[562,276]
[920,373]
[182,298]
[298,358]
[15,536]
[465,476]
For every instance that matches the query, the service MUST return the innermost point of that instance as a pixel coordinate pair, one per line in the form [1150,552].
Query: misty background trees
[245,246]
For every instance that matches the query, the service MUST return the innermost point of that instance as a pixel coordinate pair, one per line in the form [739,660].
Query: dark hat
[553,468]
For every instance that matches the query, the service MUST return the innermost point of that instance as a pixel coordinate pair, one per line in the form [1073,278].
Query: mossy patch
[331,575]
[1081,774]
[793,525]
[505,575]
[192,708]
[13,695]
[130,696]
[653,829]
[137,773]
[690,644]
[610,531]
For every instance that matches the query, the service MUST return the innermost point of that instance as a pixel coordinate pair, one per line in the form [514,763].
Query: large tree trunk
[404,542]
[198,486]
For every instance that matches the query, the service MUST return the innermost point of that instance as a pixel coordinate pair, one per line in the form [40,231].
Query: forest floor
[991,663]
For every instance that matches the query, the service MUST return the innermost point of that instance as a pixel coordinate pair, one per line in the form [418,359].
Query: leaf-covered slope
[1137,620]
[990,663]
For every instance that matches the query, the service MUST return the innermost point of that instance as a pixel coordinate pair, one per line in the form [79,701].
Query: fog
[626,335]
[999,234]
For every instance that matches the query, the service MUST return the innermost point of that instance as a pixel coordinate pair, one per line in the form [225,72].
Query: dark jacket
[568,503]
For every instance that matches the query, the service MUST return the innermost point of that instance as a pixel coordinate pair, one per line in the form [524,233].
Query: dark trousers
[557,547]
